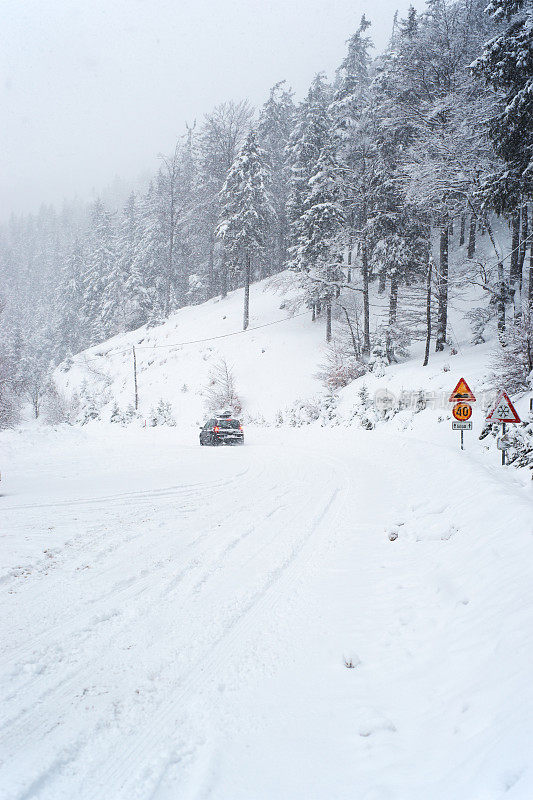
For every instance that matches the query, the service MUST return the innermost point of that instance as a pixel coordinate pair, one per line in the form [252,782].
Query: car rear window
[229,423]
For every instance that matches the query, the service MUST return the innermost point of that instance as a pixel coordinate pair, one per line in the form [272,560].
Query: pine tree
[273,131]
[136,297]
[74,329]
[148,264]
[352,126]
[100,283]
[307,140]
[245,211]
[318,253]
[507,65]
[220,139]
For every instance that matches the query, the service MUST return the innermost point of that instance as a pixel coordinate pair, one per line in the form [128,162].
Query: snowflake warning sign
[503,411]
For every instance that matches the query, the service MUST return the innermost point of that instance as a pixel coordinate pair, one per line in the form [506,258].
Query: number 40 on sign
[462,396]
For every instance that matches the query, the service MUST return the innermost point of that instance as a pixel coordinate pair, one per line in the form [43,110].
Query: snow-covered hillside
[273,365]
[277,361]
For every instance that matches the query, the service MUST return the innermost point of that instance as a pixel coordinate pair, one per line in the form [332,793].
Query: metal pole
[503,451]
[135,378]
[462,448]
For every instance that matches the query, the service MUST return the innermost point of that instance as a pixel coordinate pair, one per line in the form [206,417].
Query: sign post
[504,412]
[462,396]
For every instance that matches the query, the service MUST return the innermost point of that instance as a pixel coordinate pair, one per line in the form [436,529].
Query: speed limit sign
[462,411]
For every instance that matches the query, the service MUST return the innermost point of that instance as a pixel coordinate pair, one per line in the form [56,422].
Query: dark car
[222,430]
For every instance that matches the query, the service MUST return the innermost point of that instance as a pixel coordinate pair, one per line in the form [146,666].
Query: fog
[94,90]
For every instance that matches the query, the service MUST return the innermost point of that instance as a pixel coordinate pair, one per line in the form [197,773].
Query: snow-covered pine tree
[352,129]
[397,232]
[220,139]
[100,288]
[74,330]
[245,209]
[136,297]
[150,253]
[318,252]
[310,134]
[273,131]
[507,66]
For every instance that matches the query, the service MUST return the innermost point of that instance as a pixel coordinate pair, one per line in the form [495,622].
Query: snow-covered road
[176,619]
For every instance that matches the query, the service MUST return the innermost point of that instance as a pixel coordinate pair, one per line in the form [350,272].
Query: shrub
[162,415]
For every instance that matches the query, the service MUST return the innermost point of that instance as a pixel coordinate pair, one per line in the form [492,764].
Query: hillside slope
[273,365]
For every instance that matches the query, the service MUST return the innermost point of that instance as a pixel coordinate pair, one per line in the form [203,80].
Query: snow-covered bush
[120,417]
[67,362]
[197,289]
[89,410]
[301,412]
[378,360]
[421,401]
[340,366]
[221,391]
[117,415]
[391,343]
[519,438]
[328,410]
[479,318]
[9,409]
[162,415]
[512,362]
[59,409]
[521,452]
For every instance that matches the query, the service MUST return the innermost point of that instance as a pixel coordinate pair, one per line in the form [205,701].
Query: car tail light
[216,429]
[240,427]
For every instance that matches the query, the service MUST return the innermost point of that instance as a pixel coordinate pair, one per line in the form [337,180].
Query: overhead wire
[192,341]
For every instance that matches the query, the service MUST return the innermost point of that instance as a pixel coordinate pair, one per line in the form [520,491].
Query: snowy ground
[176,619]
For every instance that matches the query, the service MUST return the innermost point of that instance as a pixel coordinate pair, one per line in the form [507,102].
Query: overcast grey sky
[96,88]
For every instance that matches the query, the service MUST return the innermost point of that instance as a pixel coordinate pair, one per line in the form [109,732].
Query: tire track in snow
[23,725]
[127,592]
[122,782]
[238,623]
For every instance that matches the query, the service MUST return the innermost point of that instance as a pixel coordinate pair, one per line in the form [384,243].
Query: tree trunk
[313,312]
[393,309]
[472,237]
[514,277]
[428,313]
[210,289]
[443,290]
[501,298]
[366,302]
[354,342]
[352,240]
[223,276]
[530,297]
[382,281]
[523,242]
[168,285]
[328,321]
[247,274]
[462,232]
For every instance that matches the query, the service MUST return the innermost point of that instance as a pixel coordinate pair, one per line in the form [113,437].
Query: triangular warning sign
[503,411]
[462,392]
